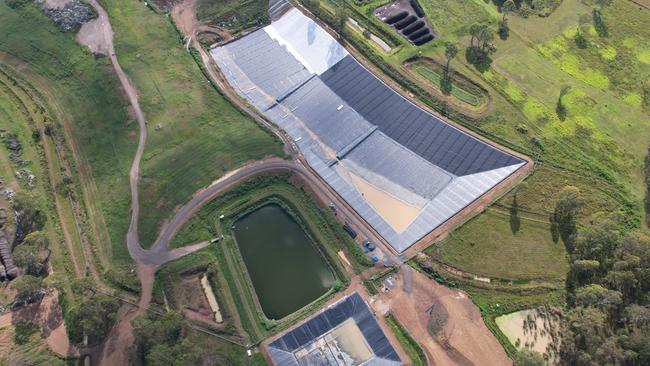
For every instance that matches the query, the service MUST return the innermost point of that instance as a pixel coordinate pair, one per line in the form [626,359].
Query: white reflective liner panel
[310,44]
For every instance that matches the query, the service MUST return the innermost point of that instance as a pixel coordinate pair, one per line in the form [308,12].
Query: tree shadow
[515,221]
[599,24]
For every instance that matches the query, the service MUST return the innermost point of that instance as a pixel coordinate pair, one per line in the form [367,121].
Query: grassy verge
[195,134]
[21,118]
[409,345]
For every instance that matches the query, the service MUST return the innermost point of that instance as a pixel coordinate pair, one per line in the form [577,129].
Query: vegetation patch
[235,15]
[167,339]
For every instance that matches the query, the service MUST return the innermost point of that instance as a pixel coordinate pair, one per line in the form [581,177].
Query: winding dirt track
[132,241]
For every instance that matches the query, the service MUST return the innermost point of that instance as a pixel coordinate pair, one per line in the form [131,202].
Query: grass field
[200,135]
[487,246]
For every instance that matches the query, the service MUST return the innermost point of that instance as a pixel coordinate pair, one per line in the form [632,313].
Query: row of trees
[608,288]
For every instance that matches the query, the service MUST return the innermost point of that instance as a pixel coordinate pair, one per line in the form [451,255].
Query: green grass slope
[88,95]
[195,135]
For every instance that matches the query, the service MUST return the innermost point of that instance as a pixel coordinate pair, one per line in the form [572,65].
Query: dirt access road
[464,339]
[115,350]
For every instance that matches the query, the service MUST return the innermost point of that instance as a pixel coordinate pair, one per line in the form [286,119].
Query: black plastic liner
[413,27]
[418,34]
[423,40]
[405,22]
[397,17]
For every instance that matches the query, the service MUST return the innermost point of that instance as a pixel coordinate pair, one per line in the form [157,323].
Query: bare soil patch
[396,212]
[463,340]
[47,315]
[193,300]
[55,4]
[533,329]
[91,34]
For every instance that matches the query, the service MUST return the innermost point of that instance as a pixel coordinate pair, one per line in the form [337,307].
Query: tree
[93,318]
[341,17]
[584,270]
[27,258]
[529,358]
[504,30]
[597,15]
[560,108]
[608,288]
[597,296]
[637,316]
[598,241]
[602,4]
[474,29]
[23,331]
[153,330]
[481,47]
[31,216]
[580,39]
[485,37]
[451,50]
[31,253]
[28,288]
[507,7]
[314,4]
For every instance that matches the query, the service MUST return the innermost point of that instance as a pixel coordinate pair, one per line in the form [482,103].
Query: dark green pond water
[286,268]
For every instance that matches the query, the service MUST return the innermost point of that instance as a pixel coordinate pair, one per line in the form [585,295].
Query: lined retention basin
[284,264]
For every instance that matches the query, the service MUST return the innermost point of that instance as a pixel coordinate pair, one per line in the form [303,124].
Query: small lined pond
[284,264]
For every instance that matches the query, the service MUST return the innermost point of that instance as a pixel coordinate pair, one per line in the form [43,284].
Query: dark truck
[349,230]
